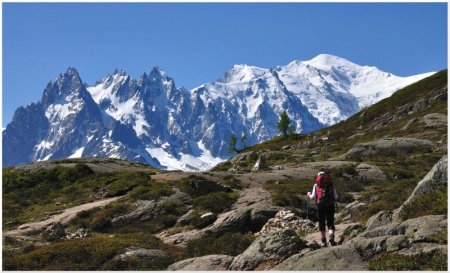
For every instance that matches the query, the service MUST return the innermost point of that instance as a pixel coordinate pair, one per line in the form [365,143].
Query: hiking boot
[332,241]
[323,243]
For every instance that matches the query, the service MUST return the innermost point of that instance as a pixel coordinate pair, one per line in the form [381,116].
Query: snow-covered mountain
[149,119]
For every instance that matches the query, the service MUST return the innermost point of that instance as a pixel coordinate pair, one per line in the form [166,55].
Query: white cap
[320,173]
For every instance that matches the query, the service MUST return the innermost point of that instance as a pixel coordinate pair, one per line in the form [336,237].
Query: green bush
[228,244]
[387,262]
[289,193]
[87,254]
[216,201]
[99,219]
[150,191]
[430,203]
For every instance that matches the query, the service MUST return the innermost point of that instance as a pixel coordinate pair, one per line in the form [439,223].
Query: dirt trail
[338,234]
[64,217]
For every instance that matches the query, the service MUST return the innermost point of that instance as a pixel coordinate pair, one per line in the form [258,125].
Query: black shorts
[326,212]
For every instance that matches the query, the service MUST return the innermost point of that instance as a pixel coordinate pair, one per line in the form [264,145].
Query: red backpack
[324,189]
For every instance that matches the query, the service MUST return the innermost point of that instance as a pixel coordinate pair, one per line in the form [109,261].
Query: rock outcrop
[337,258]
[387,147]
[268,250]
[204,263]
[436,178]
[370,173]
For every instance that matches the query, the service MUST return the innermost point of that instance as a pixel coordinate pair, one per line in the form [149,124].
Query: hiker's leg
[330,218]
[330,224]
[322,215]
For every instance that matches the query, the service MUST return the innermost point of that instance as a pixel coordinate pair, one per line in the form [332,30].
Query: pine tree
[232,144]
[243,139]
[284,124]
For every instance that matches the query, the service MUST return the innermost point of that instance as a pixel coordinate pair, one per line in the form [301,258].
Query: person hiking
[325,194]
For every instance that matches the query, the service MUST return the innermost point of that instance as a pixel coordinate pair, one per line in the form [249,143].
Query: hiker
[325,194]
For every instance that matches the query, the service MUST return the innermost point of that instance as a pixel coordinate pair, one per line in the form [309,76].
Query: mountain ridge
[149,119]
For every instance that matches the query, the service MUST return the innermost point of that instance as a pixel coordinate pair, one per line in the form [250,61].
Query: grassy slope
[403,170]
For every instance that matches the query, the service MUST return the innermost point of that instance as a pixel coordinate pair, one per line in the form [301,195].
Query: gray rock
[186,218]
[146,210]
[56,230]
[239,158]
[204,263]
[436,178]
[268,249]
[342,257]
[369,247]
[260,164]
[387,146]
[143,253]
[260,216]
[235,222]
[350,232]
[206,219]
[396,243]
[424,249]
[349,212]
[409,124]
[380,219]
[435,120]
[423,228]
[370,173]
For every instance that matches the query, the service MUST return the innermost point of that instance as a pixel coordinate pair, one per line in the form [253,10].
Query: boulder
[268,250]
[370,173]
[260,216]
[436,178]
[204,263]
[349,212]
[380,219]
[260,164]
[343,257]
[435,120]
[56,230]
[206,219]
[350,232]
[387,147]
[146,210]
[142,253]
[369,247]
[237,221]
[239,158]
[186,218]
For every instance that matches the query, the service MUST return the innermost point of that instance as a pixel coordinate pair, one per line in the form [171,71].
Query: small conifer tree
[284,124]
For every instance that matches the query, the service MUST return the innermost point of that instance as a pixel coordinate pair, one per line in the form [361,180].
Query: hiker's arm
[313,194]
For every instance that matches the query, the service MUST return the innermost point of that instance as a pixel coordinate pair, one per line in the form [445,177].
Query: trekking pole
[307,207]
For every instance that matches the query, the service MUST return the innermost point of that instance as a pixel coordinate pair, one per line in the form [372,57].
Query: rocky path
[316,237]
[64,217]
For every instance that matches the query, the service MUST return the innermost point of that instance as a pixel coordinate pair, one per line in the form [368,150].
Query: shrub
[150,191]
[228,244]
[430,203]
[216,201]
[438,262]
[289,193]
[86,254]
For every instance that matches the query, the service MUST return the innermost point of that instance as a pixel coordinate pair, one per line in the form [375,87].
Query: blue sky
[197,43]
